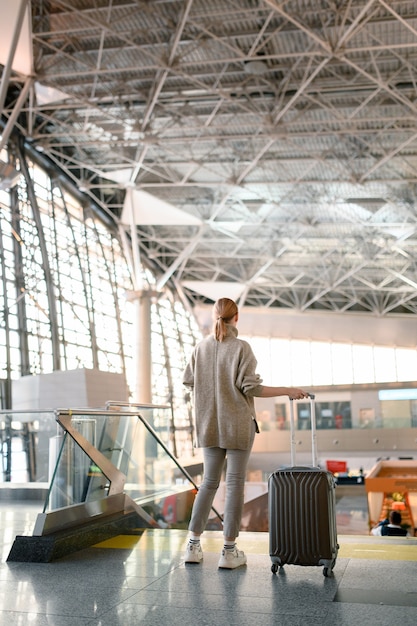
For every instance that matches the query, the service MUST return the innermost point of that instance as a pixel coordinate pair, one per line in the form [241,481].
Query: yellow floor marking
[391,552]
[254,543]
[121,542]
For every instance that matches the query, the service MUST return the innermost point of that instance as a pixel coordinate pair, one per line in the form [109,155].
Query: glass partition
[82,456]
[25,439]
[329,415]
[392,409]
[123,449]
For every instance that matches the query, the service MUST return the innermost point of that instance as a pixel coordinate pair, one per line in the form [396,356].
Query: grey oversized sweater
[223,378]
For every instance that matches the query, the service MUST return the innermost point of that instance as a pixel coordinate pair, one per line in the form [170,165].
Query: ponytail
[224,311]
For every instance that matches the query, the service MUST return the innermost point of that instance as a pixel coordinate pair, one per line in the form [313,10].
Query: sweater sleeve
[248,381]
[188,376]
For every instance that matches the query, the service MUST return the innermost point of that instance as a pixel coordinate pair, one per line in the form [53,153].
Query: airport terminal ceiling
[263,149]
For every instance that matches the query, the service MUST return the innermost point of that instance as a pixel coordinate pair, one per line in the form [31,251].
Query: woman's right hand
[294,393]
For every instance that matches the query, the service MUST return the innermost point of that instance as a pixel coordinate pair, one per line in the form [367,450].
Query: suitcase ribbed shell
[302,517]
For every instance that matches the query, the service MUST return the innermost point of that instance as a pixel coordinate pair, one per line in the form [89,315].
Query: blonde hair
[224,311]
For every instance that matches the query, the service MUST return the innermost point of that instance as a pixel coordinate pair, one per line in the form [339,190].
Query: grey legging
[237,461]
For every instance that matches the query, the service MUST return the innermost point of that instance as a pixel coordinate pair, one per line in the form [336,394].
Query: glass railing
[107,460]
[25,440]
[341,415]
[120,450]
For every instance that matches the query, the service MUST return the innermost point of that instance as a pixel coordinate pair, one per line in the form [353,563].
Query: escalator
[112,473]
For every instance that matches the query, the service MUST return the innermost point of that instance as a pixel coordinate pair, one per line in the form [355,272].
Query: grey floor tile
[374,575]
[81,599]
[158,615]
[371,615]
[11,618]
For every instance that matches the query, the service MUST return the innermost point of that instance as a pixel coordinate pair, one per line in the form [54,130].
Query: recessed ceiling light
[256,67]
[370,204]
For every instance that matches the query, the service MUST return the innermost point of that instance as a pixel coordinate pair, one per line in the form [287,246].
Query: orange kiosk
[392,485]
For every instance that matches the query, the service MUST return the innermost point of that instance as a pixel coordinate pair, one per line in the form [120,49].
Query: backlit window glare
[285,362]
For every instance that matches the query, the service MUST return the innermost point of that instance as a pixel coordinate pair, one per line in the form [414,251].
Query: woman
[222,375]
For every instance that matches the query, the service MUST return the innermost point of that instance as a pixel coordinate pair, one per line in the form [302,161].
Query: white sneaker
[193,553]
[232,558]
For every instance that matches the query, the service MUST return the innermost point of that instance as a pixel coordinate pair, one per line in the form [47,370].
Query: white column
[142,356]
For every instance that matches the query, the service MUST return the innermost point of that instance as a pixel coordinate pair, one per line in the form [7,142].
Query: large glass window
[285,362]
[385,364]
[342,363]
[63,290]
[363,364]
[406,361]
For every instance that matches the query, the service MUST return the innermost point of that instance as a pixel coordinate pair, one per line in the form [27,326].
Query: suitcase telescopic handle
[313,430]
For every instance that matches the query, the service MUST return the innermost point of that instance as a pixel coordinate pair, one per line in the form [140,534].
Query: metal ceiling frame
[286,127]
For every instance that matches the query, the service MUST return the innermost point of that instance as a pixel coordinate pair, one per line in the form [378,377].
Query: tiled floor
[143,580]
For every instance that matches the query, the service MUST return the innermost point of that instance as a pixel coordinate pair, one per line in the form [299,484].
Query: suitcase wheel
[328,571]
[274,568]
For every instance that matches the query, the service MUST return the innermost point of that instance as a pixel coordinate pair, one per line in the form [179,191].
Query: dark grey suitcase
[302,511]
